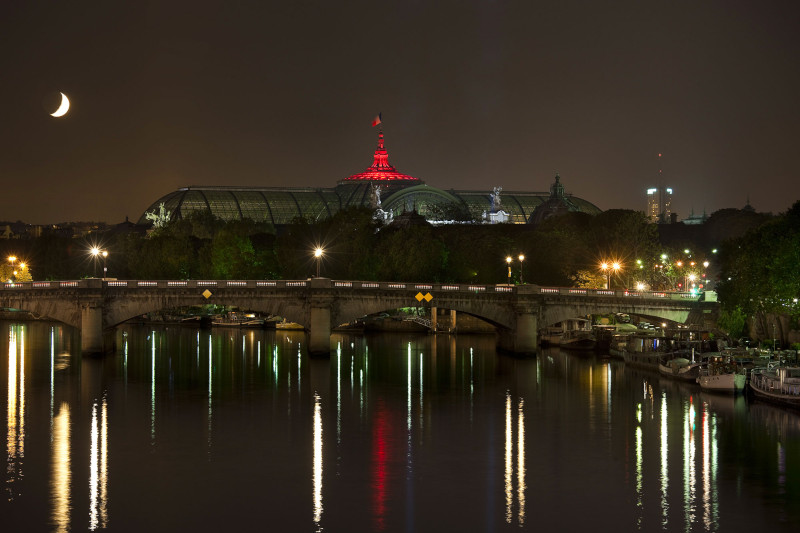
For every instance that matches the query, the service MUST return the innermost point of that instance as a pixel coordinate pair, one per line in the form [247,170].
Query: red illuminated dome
[381,170]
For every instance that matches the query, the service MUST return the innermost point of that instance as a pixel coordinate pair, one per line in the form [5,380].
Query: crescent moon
[63,108]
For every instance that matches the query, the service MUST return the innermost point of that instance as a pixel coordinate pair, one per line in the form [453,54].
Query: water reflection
[98,468]
[509,461]
[152,388]
[317,461]
[425,428]
[689,484]
[664,462]
[381,453]
[15,410]
[60,465]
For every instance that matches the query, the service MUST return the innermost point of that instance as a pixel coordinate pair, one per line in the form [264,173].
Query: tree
[17,271]
[233,256]
[412,254]
[760,272]
[733,322]
[624,235]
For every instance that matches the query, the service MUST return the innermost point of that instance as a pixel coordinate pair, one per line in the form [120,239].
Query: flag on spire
[376,120]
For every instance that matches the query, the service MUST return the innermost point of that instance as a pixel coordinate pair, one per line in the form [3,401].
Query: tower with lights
[659,199]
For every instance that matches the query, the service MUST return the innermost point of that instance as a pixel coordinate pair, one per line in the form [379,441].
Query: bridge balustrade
[517,309]
[346,284]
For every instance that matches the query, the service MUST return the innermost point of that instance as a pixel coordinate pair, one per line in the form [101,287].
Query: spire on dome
[381,170]
[381,158]
[556,189]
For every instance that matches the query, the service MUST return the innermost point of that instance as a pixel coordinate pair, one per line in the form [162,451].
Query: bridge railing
[346,284]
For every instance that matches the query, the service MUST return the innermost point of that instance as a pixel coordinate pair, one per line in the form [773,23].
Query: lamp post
[607,267]
[95,251]
[509,260]
[774,337]
[318,257]
[12,259]
[96,254]
[521,259]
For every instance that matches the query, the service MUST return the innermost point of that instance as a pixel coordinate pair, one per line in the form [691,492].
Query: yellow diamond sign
[427,297]
[419,297]
[207,294]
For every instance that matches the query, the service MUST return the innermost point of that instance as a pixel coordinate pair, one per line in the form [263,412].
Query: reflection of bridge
[517,312]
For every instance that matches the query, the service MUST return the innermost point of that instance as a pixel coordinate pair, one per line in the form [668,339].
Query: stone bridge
[318,304]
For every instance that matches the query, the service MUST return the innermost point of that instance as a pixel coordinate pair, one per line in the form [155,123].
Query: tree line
[565,250]
[756,270]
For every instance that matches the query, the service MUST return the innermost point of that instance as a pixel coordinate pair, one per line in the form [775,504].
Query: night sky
[167,94]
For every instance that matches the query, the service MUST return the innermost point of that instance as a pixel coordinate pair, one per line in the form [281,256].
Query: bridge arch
[320,303]
[122,309]
[553,313]
[347,311]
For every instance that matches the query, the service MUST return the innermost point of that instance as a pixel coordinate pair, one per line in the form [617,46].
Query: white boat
[722,373]
[680,368]
[777,384]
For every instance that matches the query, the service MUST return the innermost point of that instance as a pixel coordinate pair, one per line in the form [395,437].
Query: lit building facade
[659,204]
[380,187]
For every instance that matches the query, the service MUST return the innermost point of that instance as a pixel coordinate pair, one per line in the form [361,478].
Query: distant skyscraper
[659,199]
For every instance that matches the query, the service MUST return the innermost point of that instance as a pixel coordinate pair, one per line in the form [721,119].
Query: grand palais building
[380,187]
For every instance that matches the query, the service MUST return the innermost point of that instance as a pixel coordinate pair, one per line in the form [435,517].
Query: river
[185,429]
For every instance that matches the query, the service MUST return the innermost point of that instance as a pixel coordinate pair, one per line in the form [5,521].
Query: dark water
[240,430]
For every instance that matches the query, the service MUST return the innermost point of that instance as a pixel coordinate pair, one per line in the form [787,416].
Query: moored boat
[680,368]
[617,344]
[551,335]
[646,350]
[577,339]
[646,360]
[722,373]
[777,384]
[570,333]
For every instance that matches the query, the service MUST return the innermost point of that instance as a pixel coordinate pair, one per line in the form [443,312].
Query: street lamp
[607,267]
[96,254]
[509,260]
[12,259]
[318,257]
[774,337]
[95,251]
[521,259]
